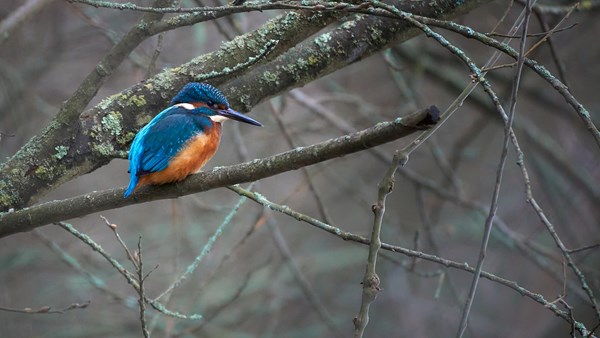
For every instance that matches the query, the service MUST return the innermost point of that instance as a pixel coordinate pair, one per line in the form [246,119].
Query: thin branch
[544,144]
[205,250]
[512,237]
[112,36]
[152,64]
[46,309]
[309,180]
[305,286]
[478,75]
[73,263]
[588,247]
[545,37]
[500,172]
[113,228]
[371,279]
[546,34]
[560,66]
[582,112]
[563,90]
[348,236]
[552,31]
[565,252]
[587,6]
[129,277]
[141,278]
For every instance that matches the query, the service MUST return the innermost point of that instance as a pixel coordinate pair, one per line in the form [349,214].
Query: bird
[181,139]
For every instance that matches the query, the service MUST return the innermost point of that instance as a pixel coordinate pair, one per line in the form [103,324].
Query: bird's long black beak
[234,115]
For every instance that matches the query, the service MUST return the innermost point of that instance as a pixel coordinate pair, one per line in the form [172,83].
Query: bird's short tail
[131,187]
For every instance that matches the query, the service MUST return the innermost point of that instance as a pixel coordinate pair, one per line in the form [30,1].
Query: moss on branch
[35,216]
[87,141]
[103,132]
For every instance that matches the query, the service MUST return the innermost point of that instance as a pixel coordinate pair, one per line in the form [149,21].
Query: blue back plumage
[161,139]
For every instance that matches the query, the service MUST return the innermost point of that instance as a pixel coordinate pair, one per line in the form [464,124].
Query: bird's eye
[210,104]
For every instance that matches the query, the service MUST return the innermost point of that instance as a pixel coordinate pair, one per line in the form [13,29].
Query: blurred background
[269,275]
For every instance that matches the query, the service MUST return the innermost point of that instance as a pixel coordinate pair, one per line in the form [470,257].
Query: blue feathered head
[200,92]
[216,106]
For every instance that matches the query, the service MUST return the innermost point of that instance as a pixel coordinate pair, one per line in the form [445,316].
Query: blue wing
[158,142]
[164,140]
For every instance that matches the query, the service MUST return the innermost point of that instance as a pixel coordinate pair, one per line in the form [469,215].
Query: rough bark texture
[73,146]
[35,216]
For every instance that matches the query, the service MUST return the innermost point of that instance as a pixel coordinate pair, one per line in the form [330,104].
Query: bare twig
[500,171]
[544,144]
[205,250]
[112,36]
[72,262]
[371,279]
[504,15]
[587,247]
[129,277]
[152,64]
[305,171]
[560,66]
[348,236]
[46,309]
[560,87]
[215,311]
[141,278]
[592,5]
[113,228]
[545,34]
[305,286]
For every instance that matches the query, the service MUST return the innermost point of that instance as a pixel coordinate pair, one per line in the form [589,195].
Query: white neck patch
[214,118]
[187,106]
[218,118]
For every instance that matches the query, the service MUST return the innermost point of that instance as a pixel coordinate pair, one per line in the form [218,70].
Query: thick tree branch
[40,159]
[71,148]
[32,217]
[75,144]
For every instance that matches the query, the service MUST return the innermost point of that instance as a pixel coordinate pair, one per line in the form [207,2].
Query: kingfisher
[182,138]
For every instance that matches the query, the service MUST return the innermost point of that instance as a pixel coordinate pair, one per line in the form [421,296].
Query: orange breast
[193,156]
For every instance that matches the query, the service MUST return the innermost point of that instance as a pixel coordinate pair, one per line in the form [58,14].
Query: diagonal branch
[75,144]
[28,160]
[348,236]
[88,141]
[499,175]
[50,212]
